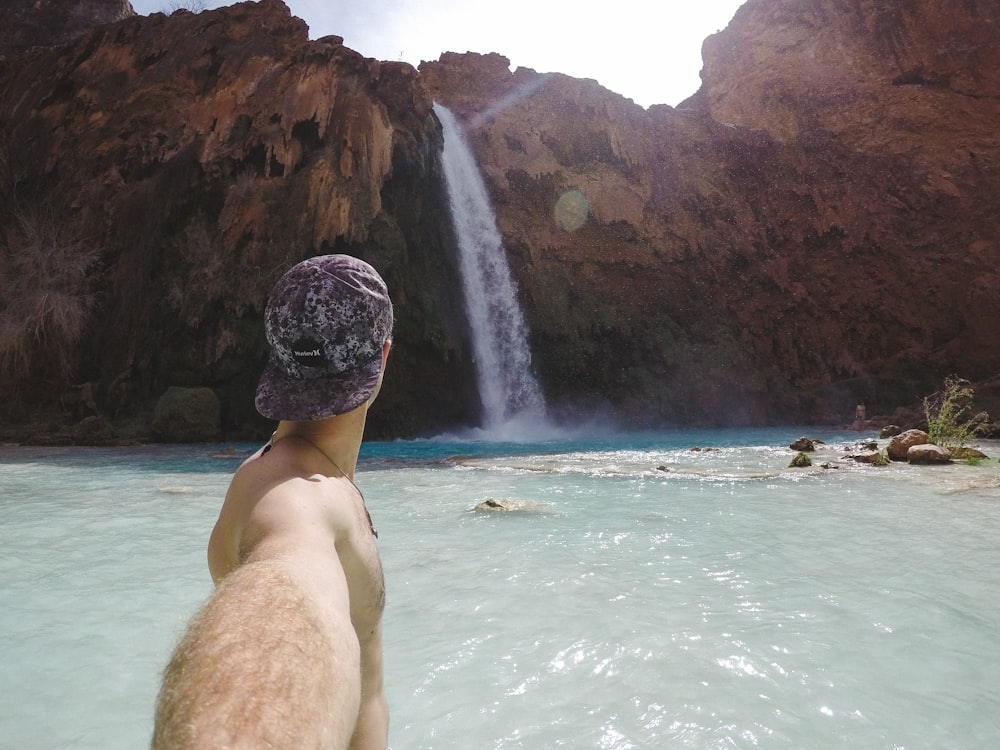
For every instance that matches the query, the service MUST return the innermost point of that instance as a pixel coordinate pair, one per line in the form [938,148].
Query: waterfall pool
[654,596]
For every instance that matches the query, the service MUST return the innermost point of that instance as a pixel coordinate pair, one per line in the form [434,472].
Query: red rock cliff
[816,227]
[160,174]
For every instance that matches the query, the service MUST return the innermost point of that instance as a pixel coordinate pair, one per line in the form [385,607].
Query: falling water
[508,389]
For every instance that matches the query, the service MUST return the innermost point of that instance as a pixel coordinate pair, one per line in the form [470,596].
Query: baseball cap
[326,320]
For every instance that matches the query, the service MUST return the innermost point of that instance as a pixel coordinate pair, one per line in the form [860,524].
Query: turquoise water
[651,596]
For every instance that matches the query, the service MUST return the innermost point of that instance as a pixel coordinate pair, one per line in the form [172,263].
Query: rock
[803,444]
[873,457]
[927,453]
[890,430]
[865,457]
[507,505]
[762,70]
[187,415]
[93,430]
[46,22]
[900,444]
[801,460]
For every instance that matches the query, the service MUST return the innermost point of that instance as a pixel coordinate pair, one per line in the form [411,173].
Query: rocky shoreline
[894,444]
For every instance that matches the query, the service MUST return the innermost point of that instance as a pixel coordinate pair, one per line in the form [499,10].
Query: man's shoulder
[281,480]
[272,465]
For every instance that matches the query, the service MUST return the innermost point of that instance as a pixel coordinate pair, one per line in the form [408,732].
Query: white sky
[647,50]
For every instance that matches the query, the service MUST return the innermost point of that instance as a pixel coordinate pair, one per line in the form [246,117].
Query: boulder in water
[928,453]
[900,444]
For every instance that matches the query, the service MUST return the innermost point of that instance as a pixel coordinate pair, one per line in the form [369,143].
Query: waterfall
[508,389]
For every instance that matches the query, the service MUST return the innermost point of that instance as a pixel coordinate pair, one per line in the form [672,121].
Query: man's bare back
[291,505]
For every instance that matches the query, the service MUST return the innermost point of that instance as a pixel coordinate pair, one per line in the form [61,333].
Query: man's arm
[372,731]
[259,667]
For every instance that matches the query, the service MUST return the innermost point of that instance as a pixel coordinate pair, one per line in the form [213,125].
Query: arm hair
[260,667]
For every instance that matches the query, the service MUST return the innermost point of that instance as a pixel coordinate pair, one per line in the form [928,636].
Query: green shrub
[880,459]
[949,423]
[800,461]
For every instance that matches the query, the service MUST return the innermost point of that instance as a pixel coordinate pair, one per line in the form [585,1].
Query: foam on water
[666,598]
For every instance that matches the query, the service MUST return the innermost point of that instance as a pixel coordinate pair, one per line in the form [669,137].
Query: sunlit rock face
[816,227]
[878,74]
[182,163]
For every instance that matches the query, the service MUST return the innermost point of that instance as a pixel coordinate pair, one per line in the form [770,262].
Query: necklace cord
[272,441]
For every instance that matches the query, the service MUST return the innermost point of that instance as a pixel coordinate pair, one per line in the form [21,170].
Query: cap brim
[282,397]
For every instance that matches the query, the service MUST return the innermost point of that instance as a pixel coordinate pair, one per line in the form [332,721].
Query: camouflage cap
[326,320]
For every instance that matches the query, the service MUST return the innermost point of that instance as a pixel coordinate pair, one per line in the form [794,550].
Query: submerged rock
[865,457]
[508,505]
[872,457]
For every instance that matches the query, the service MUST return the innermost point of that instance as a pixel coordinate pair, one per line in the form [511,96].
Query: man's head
[327,321]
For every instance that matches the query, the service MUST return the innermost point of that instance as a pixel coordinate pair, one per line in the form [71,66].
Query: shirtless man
[287,653]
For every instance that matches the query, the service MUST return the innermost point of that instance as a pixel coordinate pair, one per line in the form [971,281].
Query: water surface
[651,596]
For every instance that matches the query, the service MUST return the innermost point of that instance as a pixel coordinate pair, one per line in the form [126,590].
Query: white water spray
[508,389]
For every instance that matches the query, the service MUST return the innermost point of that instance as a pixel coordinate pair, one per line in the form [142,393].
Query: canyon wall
[815,227]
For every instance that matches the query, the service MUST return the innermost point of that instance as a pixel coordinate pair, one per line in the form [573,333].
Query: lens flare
[572,210]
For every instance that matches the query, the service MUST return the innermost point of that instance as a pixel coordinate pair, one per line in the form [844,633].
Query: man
[287,653]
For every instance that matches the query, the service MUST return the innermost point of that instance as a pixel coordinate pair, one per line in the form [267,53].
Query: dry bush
[192,6]
[43,295]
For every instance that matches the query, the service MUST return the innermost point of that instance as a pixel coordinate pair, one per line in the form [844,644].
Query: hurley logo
[308,353]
